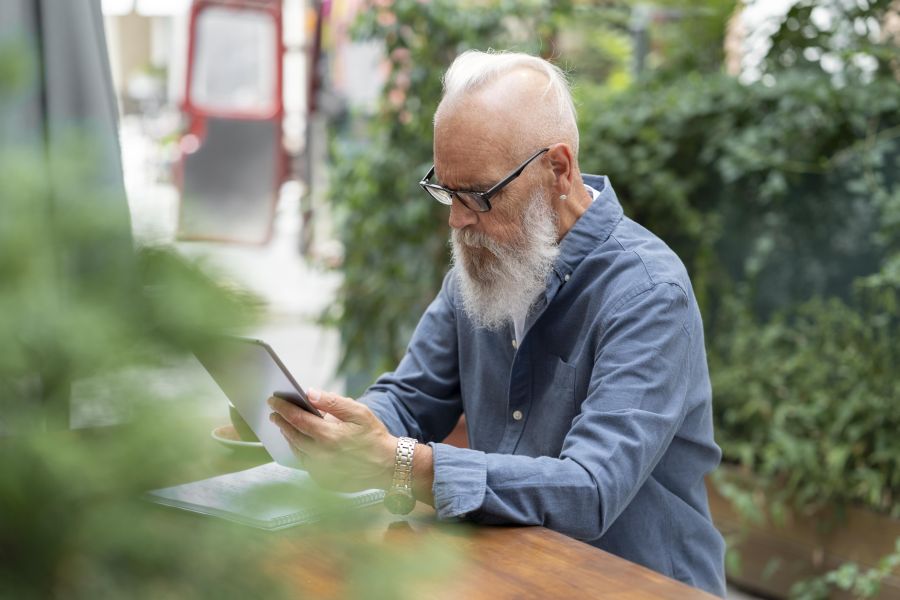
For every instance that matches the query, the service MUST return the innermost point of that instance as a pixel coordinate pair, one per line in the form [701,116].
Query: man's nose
[460,216]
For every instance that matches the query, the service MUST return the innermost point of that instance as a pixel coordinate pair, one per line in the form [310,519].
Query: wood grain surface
[496,563]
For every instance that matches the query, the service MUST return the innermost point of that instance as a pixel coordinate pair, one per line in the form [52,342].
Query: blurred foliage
[845,38]
[687,36]
[77,300]
[74,525]
[79,304]
[807,402]
[596,46]
[784,189]
[849,577]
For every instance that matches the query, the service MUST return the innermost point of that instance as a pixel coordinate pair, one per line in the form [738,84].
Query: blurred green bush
[78,303]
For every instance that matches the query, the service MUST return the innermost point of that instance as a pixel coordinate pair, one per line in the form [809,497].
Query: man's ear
[562,161]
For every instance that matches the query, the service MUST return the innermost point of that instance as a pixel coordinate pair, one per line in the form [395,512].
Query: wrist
[388,461]
[399,498]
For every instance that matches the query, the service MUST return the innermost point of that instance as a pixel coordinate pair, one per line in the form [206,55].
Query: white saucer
[225,435]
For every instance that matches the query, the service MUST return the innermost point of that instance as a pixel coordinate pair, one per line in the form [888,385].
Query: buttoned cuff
[460,480]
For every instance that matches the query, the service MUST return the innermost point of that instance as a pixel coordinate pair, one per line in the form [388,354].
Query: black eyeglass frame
[483,198]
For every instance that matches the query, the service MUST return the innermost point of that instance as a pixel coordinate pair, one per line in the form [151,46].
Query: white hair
[474,69]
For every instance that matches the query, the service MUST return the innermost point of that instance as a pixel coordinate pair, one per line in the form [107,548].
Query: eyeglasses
[473,200]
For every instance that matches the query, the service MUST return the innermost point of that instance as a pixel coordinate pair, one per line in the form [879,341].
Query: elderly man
[567,334]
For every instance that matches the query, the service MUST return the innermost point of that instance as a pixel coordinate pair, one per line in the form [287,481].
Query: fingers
[345,409]
[326,469]
[305,422]
[297,440]
[326,432]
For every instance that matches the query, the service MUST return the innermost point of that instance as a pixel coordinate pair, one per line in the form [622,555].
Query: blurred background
[278,145]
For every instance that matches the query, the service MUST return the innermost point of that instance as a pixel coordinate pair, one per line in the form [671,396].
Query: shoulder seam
[636,291]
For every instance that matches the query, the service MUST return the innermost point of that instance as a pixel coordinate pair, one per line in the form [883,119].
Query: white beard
[500,281]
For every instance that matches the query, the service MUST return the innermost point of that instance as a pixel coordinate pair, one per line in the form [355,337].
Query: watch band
[403,463]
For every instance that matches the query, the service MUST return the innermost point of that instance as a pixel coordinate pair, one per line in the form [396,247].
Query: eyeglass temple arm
[428,176]
[514,174]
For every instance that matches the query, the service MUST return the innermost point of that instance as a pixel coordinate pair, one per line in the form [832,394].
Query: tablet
[249,372]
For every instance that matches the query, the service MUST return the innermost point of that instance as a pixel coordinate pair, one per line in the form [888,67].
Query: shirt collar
[592,228]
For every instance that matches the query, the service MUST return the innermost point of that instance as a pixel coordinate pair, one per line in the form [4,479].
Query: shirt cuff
[460,480]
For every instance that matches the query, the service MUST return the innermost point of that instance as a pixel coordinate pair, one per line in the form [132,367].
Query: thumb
[345,409]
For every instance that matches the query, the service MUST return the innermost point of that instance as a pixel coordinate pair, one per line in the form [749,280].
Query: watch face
[399,502]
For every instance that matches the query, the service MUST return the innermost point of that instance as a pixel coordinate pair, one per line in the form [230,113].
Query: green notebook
[269,497]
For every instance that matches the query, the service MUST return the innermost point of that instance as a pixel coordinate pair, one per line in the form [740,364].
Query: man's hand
[348,450]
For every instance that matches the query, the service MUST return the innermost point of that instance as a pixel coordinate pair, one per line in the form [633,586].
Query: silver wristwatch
[399,498]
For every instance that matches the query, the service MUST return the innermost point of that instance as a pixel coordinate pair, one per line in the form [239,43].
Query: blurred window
[234,62]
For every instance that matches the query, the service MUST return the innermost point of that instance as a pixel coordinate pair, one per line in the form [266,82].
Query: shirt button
[517,415]
[515,344]
[567,277]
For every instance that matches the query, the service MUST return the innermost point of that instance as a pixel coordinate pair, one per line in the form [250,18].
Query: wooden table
[504,562]
[492,562]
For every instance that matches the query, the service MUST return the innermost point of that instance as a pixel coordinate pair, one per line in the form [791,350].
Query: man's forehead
[470,166]
[469,149]
[479,135]
[465,134]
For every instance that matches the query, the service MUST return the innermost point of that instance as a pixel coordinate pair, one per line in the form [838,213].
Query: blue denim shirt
[599,425]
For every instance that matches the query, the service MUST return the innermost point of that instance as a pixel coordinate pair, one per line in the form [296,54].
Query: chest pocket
[561,376]
[553,407]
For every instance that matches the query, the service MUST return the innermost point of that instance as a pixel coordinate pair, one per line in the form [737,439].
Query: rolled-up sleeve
[421,398]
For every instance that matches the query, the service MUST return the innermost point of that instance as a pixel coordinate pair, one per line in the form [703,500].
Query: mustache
[473,239]
[468,239]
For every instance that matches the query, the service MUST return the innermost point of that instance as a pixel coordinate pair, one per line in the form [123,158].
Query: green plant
[78,303]
[807,402]
[846,39]
[849,577]
[783,187]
